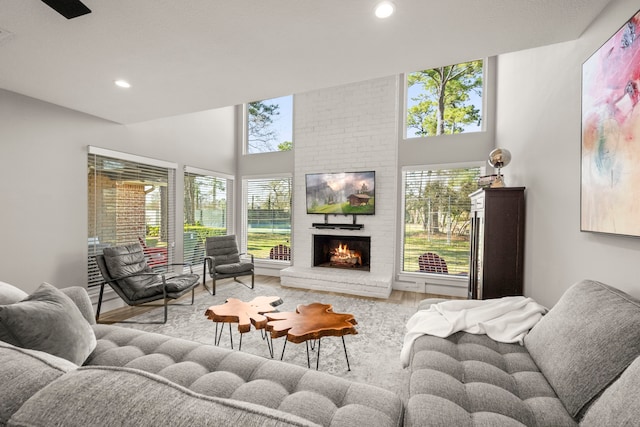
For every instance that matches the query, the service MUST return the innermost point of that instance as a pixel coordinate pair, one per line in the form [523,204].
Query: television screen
[348,193]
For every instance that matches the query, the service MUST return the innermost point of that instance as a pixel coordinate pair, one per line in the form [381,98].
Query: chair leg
[99,302]
[166,301]
[252,280]
[193,295]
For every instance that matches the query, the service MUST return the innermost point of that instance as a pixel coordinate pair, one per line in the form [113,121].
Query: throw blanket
[505,320]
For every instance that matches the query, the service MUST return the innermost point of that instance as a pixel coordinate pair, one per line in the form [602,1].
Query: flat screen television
[345,193]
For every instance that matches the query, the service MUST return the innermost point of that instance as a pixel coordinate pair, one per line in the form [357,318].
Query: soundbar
[324,225]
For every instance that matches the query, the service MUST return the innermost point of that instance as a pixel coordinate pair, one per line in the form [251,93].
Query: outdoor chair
[430,262]
[280,252]
[222,260]
[155,256]
[125,269]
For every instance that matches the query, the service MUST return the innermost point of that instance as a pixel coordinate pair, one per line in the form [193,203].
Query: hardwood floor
[406,298]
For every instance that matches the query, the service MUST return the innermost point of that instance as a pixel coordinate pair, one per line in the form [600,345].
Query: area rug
[374,352]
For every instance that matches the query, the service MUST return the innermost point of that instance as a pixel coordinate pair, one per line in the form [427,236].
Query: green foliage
[455,252]
[443,105]
[203,232]
[153,230]
[344,208]
[259,243]
[285,146]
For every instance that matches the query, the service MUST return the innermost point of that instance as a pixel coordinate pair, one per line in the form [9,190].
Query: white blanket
[505,320]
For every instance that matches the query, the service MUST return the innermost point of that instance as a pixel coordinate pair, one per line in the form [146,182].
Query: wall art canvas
[610,184]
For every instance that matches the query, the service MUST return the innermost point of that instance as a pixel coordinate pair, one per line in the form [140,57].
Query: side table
[311,322]
[244,314]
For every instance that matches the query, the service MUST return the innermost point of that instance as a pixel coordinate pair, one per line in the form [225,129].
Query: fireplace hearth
[349,252]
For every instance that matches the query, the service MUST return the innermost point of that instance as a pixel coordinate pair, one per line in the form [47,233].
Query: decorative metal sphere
[499,158]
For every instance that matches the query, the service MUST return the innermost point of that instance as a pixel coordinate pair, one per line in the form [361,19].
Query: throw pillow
[48,321]
[585,342]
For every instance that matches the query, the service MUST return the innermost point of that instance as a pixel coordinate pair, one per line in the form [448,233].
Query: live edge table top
[244,313]
[309,322]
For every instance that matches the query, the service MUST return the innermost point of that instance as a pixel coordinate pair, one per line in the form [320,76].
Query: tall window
[268,215]
[131,199]
[436,219]
[270,125]
[207,210]
[444,100]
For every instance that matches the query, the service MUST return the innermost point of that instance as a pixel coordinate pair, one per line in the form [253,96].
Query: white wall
[43,181]
[345,129]
[539,121]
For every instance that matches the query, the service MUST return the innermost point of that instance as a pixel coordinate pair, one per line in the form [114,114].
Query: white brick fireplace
[346,129]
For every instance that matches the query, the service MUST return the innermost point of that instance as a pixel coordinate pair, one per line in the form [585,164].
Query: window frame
[94,277]
[244,237]
[403,95]
[428,278]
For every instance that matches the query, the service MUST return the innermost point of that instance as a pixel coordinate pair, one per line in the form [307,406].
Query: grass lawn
[417,242]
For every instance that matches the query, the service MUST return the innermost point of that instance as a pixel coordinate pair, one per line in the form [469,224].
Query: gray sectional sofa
[134,378]
[579,366]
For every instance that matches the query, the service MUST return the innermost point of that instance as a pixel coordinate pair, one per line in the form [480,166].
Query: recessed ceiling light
[122,83]
[385,9]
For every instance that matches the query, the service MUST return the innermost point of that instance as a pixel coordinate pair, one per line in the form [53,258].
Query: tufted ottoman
[214,371]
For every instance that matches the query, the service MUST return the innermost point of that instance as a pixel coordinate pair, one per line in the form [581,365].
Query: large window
[268,216]
[130,199]
[444,100]
[207,210]
[269,125]
[436,219]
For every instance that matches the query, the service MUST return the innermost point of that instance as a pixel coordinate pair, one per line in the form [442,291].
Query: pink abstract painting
[610,184]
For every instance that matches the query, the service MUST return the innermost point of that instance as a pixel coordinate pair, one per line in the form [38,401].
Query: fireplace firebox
[352,252]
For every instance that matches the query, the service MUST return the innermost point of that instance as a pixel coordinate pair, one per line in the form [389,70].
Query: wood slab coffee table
[244,314]
[311,322]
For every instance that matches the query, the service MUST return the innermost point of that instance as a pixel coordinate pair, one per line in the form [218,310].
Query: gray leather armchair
[125,269]
[223,261]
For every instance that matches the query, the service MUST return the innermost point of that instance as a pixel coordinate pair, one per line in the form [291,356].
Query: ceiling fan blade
[68,8]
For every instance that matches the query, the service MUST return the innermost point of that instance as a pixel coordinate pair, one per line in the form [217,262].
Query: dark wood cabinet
[497,243]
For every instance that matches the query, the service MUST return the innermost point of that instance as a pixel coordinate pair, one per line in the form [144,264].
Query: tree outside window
[445,100]
[270,125]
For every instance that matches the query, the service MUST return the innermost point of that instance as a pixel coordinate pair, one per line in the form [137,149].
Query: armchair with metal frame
[223,260]
[125,270]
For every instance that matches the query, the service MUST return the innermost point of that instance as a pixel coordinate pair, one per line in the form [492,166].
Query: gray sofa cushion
[10,294]
[22,373]
[49,321]
[471,380]
[619,404]
[214,371]
[81,299]
[585,341]
[129,397]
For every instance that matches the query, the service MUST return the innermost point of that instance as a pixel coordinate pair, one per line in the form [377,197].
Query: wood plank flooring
[406,298]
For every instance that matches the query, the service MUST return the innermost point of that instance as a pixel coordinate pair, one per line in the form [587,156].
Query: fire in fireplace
[341,251]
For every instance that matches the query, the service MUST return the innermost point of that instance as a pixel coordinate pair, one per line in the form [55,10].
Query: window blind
[208,202]
[129,201]
[267,211]
[436,218]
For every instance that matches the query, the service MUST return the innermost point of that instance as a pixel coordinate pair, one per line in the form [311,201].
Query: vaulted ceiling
[195,55]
